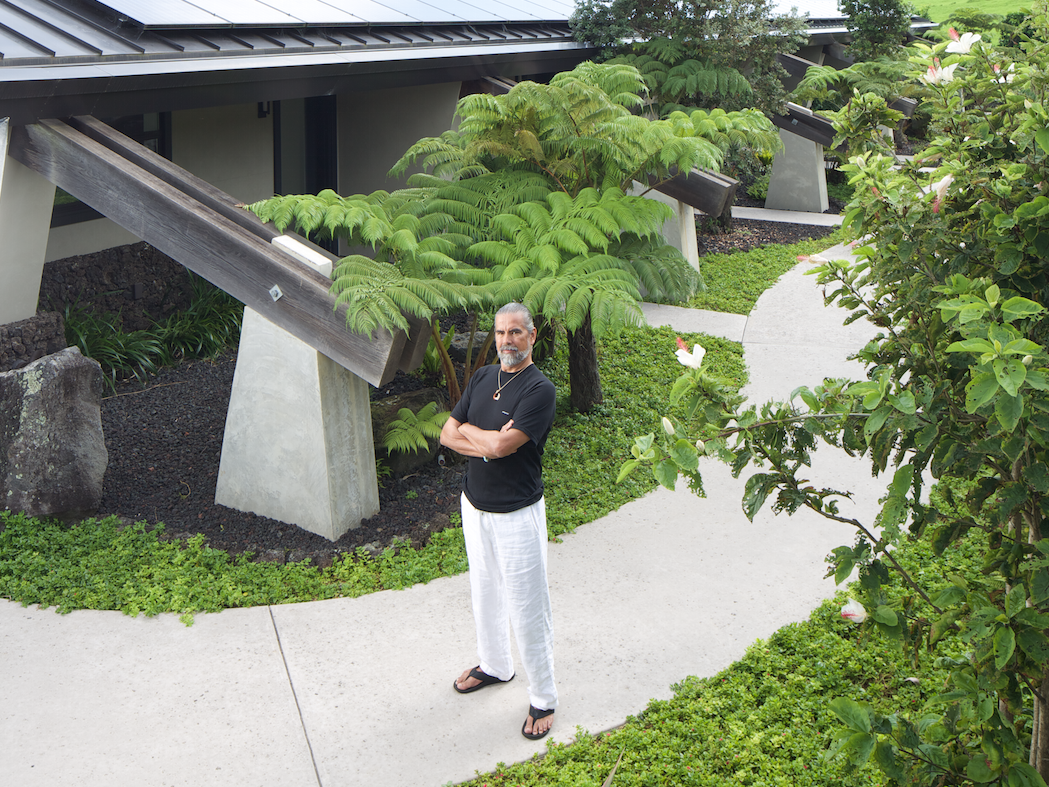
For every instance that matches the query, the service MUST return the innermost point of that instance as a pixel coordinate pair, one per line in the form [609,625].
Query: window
[152,130]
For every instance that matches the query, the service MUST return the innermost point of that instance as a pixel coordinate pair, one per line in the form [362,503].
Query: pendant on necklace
[496,396]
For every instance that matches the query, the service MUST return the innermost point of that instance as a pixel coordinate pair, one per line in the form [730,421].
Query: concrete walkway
[358,691]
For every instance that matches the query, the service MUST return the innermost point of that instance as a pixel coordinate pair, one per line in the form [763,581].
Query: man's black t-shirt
[515,481]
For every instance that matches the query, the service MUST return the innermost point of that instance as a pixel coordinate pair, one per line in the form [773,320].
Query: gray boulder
[52,451]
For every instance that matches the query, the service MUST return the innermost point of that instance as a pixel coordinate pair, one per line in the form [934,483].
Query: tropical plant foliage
[957,388]
[709,49]
[527,201]
[411,431]
[879,27]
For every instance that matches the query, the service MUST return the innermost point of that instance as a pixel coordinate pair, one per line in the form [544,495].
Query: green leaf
[852,714]
[885,756]
[1040,586]
[979,769]
[876,420]
[950,596]
[1035,644]
[886,615]
[665,472]
[1015,601]
[1017,308]
[1004,642]
[1037,477]
[627,468]
[685,455]
[943,624]
[979,391]
[1042,138]
[843,569]
[971,346]
[1010,374]
[904,402]
[992,294]
[1008,410]
[858,748]
[755,492]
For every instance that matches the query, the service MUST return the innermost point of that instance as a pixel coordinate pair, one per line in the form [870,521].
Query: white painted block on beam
[26,201]
[298,441]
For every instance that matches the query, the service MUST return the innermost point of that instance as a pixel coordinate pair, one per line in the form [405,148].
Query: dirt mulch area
[165,439]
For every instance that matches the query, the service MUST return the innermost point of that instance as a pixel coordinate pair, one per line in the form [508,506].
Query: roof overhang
[134,86]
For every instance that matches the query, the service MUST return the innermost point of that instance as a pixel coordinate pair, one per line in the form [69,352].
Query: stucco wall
[375,129]
[229,147]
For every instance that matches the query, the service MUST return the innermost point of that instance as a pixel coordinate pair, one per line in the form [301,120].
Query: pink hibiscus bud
[819,259]
[693,359]
[854,611]
[940,187]
[953,34]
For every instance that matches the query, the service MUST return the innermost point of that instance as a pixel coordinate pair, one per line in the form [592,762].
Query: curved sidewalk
[358,691]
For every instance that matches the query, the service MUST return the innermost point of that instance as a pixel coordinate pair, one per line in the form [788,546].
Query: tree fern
[412,431]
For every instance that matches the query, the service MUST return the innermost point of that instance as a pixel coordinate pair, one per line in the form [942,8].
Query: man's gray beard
[515,357]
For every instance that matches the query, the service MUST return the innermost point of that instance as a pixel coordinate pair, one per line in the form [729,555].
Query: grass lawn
[940,10]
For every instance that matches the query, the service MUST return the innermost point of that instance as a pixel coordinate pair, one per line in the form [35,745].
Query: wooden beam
[710,192]
[207,242]
[806,125]
[186,182]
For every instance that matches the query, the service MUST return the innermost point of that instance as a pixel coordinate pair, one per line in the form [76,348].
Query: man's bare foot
[473,679]
[538,723]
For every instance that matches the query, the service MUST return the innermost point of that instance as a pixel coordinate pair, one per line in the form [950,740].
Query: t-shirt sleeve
[534,414]
[462,407]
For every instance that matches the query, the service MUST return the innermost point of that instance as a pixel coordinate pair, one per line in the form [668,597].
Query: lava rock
[52,451]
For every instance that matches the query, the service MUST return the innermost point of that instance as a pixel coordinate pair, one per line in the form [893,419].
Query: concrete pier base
[26,200]
[799,178]
[298,439]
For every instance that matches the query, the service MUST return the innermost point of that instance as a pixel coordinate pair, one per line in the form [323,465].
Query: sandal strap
[538,714]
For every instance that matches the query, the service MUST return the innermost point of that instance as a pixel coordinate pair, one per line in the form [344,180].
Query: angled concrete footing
[26,200]
[798,180]
[298,440]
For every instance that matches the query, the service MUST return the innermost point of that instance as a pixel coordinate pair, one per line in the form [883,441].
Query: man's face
[513,340]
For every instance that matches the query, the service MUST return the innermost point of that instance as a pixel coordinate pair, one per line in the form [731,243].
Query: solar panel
[294,13]
[370,11]
[509,11]
[163,13]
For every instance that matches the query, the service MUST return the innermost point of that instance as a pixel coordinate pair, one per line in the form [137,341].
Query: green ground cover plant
[941,10]
[101,565]
[736,281]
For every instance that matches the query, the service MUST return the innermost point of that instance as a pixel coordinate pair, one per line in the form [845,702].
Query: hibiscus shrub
[952,270]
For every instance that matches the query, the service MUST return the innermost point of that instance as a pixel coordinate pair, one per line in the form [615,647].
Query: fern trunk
[583,375]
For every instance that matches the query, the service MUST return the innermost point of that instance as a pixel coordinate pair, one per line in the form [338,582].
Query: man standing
[501,423]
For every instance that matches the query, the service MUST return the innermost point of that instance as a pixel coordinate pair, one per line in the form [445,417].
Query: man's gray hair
[518,308]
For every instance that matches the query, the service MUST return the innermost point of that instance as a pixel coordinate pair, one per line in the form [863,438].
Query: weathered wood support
[703,189]
[205,230]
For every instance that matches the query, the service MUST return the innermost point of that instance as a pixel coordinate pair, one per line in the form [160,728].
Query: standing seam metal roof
[54,32]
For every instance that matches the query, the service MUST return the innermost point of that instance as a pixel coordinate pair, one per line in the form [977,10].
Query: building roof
[66,57]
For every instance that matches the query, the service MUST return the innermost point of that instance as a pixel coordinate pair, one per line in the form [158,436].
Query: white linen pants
[507,554]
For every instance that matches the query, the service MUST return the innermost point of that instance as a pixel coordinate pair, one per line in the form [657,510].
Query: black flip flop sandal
[485,678]
[536,715]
